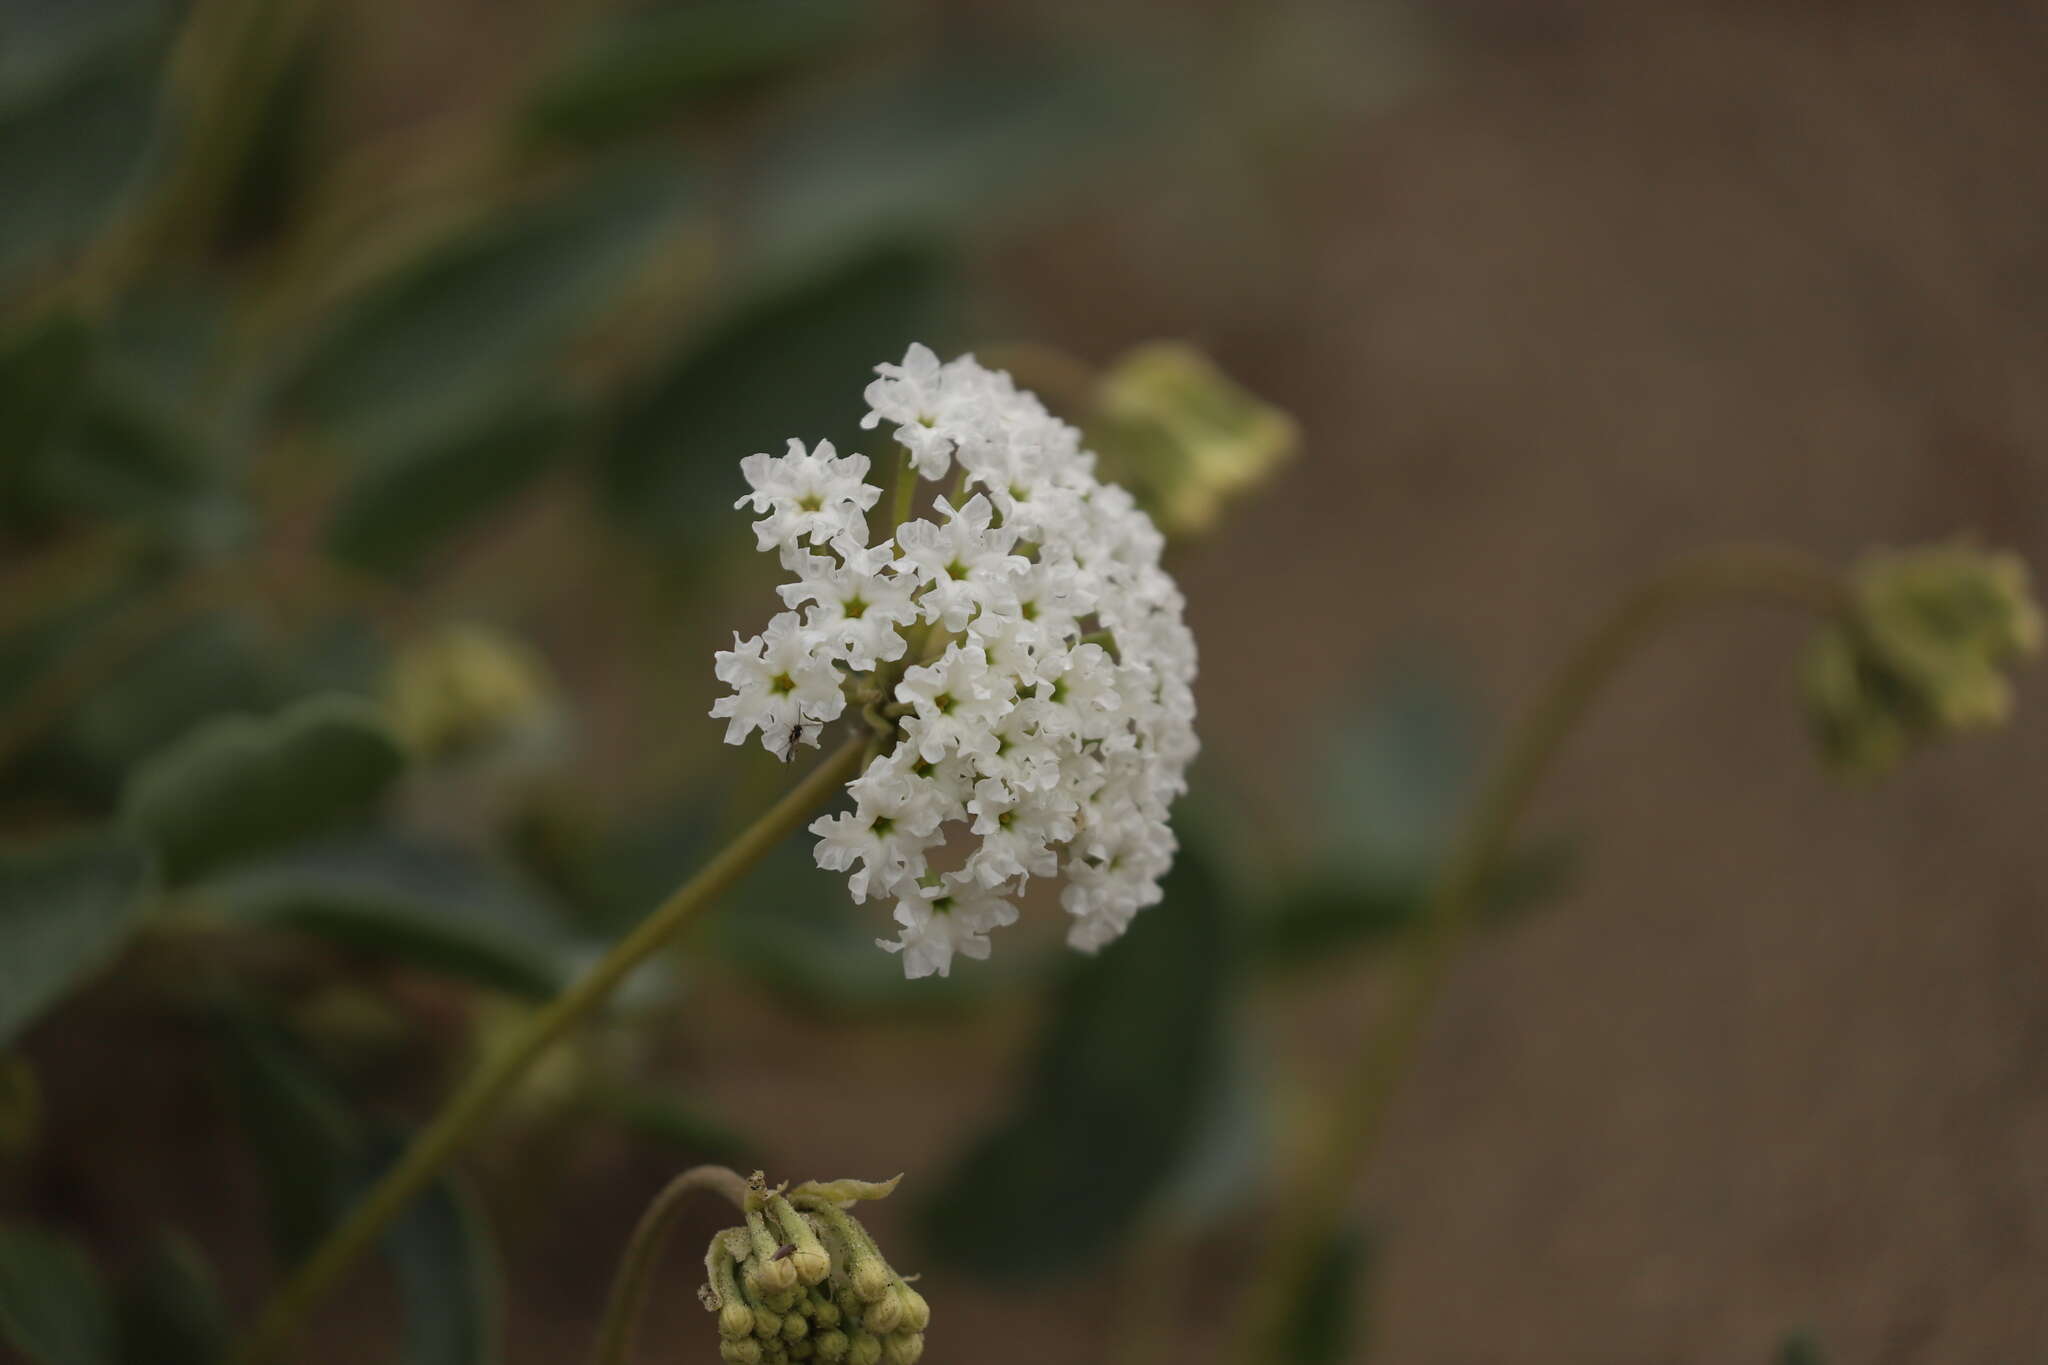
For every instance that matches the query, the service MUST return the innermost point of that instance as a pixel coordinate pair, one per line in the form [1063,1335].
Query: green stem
[498,1072]
[904,495]
[636,1269]
[1310,1212]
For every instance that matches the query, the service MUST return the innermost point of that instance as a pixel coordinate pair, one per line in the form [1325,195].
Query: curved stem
[650,1235]
[1310,1211]
[496,1074]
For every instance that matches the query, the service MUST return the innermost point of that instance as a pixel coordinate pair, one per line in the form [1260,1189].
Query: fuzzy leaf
[439,344]
[171,1312]
[242,785]
[1127,1067]
[54,1307]
[64,910]
[410,498]
[438,908]
[643,64]
[789,361]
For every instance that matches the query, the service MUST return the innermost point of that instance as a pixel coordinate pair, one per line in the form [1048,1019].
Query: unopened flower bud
[872,1280]
[832,1345]
[770,1267]
[735,1320]
[740,1352]
[795,1327]
[904,1348]
[866,1349]
[807,1254]
[917,1314]
[885,1314]
[824,1312]
[803,1349]
[1920,653]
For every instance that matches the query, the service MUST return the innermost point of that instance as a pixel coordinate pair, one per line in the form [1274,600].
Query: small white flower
[810,497]
[957,702]
[860,603]
[964,563]
[779,681]
[939,921]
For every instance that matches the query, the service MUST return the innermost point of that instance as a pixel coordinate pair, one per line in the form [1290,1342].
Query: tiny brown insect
[784,1252]
[796,736]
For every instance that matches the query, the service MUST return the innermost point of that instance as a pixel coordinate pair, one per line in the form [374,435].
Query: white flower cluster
[1022,643]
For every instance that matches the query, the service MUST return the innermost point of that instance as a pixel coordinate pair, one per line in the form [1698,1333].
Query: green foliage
[54,1307]
[78,111]
[307,1143]
[781,362]
[1397,772]
[171,1311]
[242,785]
[409,499]
[440,1253]
[431,350]
[318,1156]
[1323,1328]
[1800,1348]
[975,133]
[643,64]
[436,907]
[1123,1078]
[791,930]
[65,908]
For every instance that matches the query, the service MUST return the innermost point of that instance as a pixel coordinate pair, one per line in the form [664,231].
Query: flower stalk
[1312,1207]
[478,1096]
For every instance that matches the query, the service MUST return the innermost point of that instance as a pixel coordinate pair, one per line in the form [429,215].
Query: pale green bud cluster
[803,1280]
[469,690]
[1921,653]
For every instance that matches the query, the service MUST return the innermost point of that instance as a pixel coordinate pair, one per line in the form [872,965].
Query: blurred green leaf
[64,910]
[1226,1161]
[441,1254]
[792,362]
[43,368]
[171,1310]
[438,908]
[43,43]
[467,325]
[54,1307]
[307,1143]
[1323,1329]
[703,1135]
[792,929]
[641,65]
[1131,1059]
[241,785]
[1800,1348]
[121,424]
[408,499]
[212,667]
[1397,772]
[318,1158]
[926,152]
[71,152]
[1315,920]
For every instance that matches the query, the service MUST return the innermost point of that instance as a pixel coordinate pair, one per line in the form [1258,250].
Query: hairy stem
[643,1252]
[473,1102]
[1310,1212]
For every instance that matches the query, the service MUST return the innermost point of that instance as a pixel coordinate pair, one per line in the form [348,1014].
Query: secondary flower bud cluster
[1019,650]
[803,1280]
